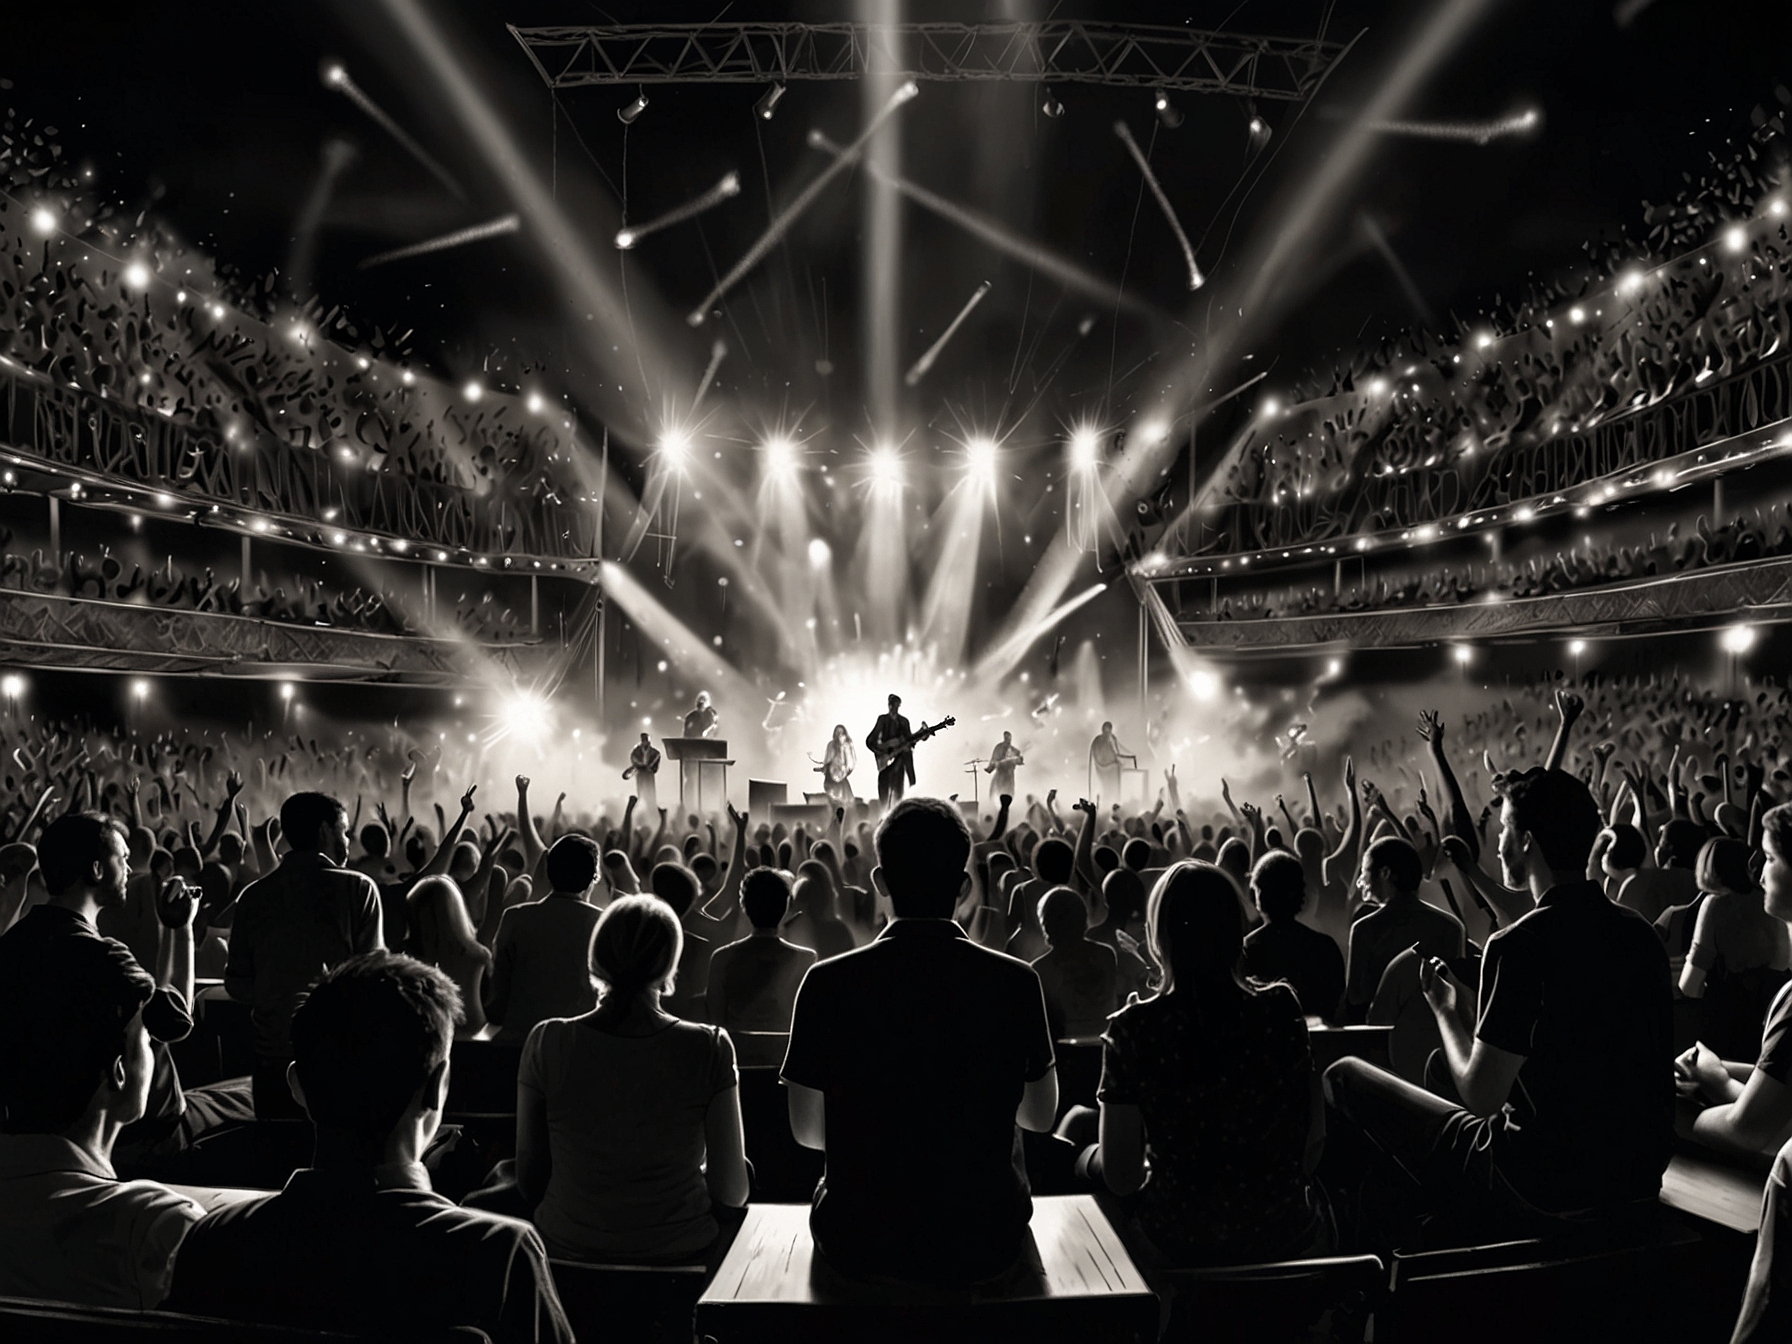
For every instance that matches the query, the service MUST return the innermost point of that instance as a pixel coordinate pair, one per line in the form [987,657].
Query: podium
[692,754]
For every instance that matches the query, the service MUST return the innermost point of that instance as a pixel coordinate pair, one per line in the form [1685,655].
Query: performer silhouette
[701,721]
[1105,754]
[644,768]
[837,766]
[1003,757]
[893,779]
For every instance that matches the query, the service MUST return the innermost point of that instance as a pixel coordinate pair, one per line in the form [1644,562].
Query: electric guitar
[890,749]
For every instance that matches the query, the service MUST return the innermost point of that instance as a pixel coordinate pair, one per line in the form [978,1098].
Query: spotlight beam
[923,364]
[1000,237]
[1195,278]
[717,353]
[1462,132]
[998,660]
[335,77]
[726,189]
[794,211]
[495,228]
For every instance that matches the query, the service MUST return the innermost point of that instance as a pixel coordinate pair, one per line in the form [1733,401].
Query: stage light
[136,275]
[12,686]
[820,553]
[780,457]
[1523,514]
[1271,408]
[625,239]
[286,690]
[1576,647]
[535,403]
[472,391]
[1464,655]
[980,455]
[768,102]
[139,689]
[627,115]
[1738,639]
[1735,238]
[522,714]
[1577,314]
[44,221]
[1085,449]
[675,448]
[1168,115]
[334,75]
[1631,282]
[1204,685]
[1051,106]
[886,467]
[1777,209]
[1334,667]
[1153,431]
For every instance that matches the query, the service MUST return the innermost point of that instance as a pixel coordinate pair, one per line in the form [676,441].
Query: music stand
[971,769]
[692,754]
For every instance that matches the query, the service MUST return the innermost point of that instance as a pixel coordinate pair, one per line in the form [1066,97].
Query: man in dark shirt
[891,733]
[360,1243]
[1566,1086]
[911,1061]
[1284,948]
[309,914]
[1391,875]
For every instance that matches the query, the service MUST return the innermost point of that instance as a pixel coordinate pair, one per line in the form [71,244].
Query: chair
[783,1169]
[629,1304]
[1270,1303]
[1077,1283]
[1623,1280]
[65,1323]
[254,1155]
[482,1078]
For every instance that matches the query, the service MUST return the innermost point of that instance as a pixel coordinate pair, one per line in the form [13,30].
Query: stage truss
[1059,51]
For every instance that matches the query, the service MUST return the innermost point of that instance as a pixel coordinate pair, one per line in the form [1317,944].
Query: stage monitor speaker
[762,796]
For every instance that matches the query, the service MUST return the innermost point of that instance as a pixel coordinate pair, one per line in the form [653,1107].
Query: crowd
[310,601]
[1431,426]
[1591,563]
[634,964]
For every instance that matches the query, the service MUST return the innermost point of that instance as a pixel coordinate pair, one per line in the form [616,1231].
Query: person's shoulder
[156,1201]
[1275,1001]
[497,1234]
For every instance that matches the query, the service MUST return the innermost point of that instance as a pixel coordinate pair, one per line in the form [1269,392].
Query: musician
[701,721]
[1106,753]
[1003,757]
[893,779]
[643,768]
[837,766]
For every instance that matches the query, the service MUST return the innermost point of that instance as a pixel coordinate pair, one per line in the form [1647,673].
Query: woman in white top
[628,1119]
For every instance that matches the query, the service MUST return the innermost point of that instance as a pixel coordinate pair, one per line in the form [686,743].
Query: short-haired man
[753,983]
[890,736]
[541,958]
[309,914]
[911,1061]
[1283,948]
[1576,1004]
[359,1243]
[1390,878]
[76,1013]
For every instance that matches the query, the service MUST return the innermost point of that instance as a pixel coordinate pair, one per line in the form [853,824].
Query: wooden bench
[629,1304]
[1077,1283]
[1715,1192]
[1276,1303]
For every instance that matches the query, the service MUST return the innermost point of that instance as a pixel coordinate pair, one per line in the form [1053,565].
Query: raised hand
[410,772]
[522,783]
[233,785]
[1569,705]
[466,800]
[176,904]
[1603,752]
[1431,727]
[739,818]
[1083,805]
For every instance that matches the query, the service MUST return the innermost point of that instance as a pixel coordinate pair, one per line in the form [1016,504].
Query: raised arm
[722,904]
[1456,818]
[996,832]
[444,855]
[226,811]
[1569,706]
[525,825]
[1340,865]
[1313,809]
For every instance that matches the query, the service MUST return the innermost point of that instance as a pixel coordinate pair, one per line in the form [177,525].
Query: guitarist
[891,731]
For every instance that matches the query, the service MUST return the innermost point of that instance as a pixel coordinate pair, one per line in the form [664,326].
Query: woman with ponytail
[628,1119]
[1210,1079]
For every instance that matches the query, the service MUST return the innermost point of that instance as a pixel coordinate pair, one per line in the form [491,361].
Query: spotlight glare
[820,553]
[43,220]
[136,275]
[12,686]
[1576,647]
[625,239]
[1777,209]
[334,75]
[1464,654]
[535,403]
[472,391]
[1738,639]
[286,690]
[1085,449]
[980,454]
[522,714]
[1577,314]
[1735,238]
[780,457]
[675,448]
[1204,685]
[768,102]
[886,467]
[140,689]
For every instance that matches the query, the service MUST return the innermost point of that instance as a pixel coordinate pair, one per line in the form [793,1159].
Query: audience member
[1080,977]
[541,958]
[1739,955]
[679,888]
[1210,1082]
[308,915]
[442,936]
[1283,948]
[360,1243]
[75,1070]
[911,1061]
[1390,878]
[1575,1005]
[628,1119]
[753,982]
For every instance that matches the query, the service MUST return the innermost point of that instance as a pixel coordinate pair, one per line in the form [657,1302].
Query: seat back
[1274,1302]
[482,1078]
[253,1155]
[783,1170]
[1604,1282]
[64,1323]
[630,1304]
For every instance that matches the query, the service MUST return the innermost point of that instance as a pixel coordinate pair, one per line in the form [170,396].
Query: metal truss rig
[1063,51]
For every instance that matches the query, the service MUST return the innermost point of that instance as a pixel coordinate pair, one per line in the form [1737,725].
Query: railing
[1743,402]
[46,630]
[74,430]
[1759,590]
